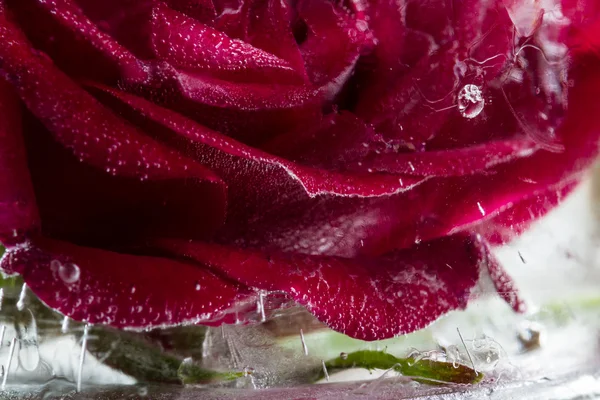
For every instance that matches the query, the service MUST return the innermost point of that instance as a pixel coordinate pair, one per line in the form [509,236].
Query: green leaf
[190,373]
[426,371]
[140,355]
[131,354]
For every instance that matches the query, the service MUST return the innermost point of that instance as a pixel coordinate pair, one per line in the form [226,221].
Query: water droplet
[470,101]
[143,391]
[198,286]
[69,273]
[344,356]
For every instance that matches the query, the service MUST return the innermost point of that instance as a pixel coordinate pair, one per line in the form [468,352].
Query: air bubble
[69,273]
[470,101]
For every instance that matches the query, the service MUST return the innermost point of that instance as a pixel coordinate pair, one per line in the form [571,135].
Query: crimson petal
[367,299]
[201,10]
[252,112]
[71,17]
[269,28]
[237,162]
[189,44]
[95,134]
[333,46]
[344,142]
[127,291]
[18,211]
[372,226]
[503,283]
[95,143]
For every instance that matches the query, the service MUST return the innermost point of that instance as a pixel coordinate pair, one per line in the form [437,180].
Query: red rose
[166,162]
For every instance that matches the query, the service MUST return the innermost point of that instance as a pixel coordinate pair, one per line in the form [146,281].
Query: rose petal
[251,112]
[127,291]
[343,142]
[79,122]
[269,28]
[436,207]
[201,10]
[333,44]
[365,299]
[18,211]
[515,220]
[416,105]
[61,28]
[244,167]
[189,44]
[94,142]
[89,206]
[504,284]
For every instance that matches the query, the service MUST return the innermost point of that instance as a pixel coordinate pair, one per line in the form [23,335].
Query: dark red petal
[413,105]
[333,45]
[503,283]
[233,17]
[18,211]
[379,70]
[72,19]
[343,142]
[367,299]
[189,44]
[269,28]
[515,220]
[124,21]
[93,132]
[251,112]
[95,145]
[127,291]
[86,205]
[49,34]
[439,207]
[201,10]
[243,166]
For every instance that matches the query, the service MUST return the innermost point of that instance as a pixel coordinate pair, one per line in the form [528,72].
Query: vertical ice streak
[261,306]
[467,350]
[65,325]
[21,302]
[1,297]
[84,339]
[304,346]
[2,332]
[325,370]
[11,353]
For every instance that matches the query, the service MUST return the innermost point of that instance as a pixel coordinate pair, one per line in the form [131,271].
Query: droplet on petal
[470,101]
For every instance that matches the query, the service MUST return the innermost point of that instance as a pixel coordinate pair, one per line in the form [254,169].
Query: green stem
[426,371]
